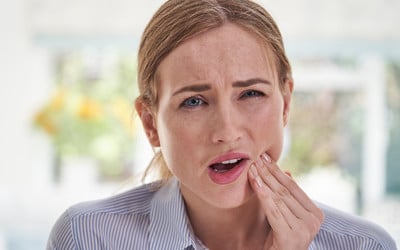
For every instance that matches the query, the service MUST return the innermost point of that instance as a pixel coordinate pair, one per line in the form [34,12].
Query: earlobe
[287,97]
[148,121]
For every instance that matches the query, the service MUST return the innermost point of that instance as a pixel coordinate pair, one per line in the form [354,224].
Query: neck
[243,227]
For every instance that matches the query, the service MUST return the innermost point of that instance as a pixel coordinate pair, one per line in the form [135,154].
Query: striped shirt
[150,218]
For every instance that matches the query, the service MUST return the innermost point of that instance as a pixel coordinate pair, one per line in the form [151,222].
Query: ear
[149,122]
[287,97]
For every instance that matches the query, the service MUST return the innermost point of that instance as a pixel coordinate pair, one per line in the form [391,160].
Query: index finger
[291,186]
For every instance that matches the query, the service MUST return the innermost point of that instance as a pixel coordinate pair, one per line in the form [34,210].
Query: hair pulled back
[178,20]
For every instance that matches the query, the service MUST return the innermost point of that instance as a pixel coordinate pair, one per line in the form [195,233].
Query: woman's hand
[293,217]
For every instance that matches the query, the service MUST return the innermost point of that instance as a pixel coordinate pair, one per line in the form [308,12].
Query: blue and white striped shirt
[151,218]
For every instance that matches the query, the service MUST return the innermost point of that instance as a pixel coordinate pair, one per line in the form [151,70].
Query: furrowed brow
[193,88]
[250,82]
[205,87]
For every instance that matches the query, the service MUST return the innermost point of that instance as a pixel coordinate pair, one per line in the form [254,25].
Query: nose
[226,126]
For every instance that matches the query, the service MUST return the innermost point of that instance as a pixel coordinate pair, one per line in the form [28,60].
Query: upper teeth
[230,161]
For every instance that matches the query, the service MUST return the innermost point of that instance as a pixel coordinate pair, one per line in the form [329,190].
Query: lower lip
[228,176]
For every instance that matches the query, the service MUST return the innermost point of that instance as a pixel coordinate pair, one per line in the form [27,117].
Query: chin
[233,197]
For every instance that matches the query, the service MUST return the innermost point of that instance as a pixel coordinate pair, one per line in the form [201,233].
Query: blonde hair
[178,20]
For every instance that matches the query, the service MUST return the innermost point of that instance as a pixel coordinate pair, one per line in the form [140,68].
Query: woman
[215,90]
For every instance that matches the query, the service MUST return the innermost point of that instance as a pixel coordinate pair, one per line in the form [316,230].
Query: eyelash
[199,101]
[254,93]
[186,102]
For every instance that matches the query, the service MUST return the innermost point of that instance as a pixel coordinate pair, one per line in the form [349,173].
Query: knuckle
[274,170]
[275,212]
[283,192]
[277,200]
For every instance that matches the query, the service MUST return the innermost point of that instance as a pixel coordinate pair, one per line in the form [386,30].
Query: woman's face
[220,107]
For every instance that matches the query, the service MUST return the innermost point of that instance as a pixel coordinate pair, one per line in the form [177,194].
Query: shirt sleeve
[61,237]
[346,231]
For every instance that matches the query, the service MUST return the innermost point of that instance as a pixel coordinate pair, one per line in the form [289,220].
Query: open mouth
[225,166]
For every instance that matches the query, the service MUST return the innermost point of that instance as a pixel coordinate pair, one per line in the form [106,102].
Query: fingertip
[258,181]
[266,157]
[288,174]
[254,177]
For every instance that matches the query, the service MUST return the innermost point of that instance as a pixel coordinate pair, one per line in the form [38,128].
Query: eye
[192,102]
[252,93]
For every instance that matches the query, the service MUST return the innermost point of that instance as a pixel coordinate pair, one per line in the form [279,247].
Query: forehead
[229,50]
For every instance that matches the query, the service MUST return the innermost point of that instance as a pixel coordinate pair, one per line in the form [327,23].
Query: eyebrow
[237,84]
[250,82]
[193,88]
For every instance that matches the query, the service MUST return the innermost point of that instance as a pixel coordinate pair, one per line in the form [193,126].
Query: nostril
[227,137]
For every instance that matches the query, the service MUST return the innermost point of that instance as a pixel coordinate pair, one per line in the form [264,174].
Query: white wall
[24,158]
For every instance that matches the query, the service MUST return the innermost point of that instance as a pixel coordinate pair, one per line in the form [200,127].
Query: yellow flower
[89,109]
[122,110]
[43,120]
[57,102]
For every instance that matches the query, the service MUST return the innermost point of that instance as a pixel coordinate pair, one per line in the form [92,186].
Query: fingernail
[266,157]
[258,181]
[253,170]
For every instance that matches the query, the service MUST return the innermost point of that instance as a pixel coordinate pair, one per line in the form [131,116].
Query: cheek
[178,140]
[268,129]
[176,131]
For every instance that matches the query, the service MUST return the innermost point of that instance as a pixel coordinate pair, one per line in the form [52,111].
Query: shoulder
[344,231]
[134,201]
[86,218]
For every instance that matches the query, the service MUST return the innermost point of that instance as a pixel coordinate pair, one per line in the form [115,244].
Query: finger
[311,210]
[278,214]
[283,185]
[280,190]
[283,179]
[282,220]
[291,208]
[288,174]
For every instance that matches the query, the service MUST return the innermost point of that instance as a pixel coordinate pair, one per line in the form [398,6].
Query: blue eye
[252,93]
[192,102]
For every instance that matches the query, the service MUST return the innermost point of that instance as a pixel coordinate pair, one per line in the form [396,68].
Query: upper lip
[229,156]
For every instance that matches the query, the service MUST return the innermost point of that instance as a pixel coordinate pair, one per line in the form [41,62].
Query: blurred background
[68,132]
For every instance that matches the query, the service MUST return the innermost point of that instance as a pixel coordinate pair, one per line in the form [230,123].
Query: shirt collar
[169,225]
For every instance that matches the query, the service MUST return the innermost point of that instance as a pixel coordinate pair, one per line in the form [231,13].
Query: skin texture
[219,95]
